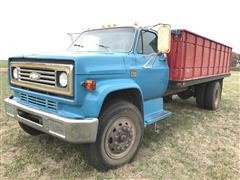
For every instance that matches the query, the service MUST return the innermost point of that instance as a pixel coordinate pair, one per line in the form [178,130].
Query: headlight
[63,79]
[15,73]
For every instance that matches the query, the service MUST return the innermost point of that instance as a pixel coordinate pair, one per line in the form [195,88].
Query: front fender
[93,100]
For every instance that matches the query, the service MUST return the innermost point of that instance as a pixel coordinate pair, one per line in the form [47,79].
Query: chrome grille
[46,77]
[40,102]
[42,76]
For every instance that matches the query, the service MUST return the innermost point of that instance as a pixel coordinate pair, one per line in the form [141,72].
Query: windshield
[104,40]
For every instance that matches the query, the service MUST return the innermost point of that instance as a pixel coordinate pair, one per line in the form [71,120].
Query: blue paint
[111,71]
[153,111]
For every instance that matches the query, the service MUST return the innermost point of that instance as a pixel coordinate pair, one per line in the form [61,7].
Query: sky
[40,26]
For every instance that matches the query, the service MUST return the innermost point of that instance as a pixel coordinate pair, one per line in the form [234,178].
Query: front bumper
[70,130]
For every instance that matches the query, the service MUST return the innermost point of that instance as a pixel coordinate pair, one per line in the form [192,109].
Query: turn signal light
[89,85]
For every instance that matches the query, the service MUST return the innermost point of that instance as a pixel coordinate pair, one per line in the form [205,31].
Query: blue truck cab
[102,92]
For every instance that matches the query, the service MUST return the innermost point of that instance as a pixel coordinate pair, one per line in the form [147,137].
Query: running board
[154,111]
[155,117]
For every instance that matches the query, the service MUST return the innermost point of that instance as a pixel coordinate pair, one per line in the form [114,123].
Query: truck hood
[86,62]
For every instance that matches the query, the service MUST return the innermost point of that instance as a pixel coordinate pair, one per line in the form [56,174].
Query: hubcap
[119,138]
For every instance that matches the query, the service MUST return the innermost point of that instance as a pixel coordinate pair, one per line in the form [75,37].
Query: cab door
[151,67]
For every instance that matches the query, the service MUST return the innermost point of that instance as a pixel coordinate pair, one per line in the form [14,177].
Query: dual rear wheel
[208,96]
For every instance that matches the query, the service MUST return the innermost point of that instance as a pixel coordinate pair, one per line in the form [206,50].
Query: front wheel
[119,137]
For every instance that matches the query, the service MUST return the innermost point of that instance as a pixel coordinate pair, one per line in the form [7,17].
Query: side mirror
[164,38]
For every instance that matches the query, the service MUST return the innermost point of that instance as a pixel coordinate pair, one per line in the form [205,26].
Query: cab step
[154,112]
[155,117]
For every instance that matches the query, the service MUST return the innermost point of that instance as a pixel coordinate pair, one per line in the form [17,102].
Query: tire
[167,99]
[120,134]
[213,95]
[200,95]
[29,130]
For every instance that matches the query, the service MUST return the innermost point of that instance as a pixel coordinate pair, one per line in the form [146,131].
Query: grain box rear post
[195,57]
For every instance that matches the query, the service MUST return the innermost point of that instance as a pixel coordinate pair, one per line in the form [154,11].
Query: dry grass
[3,64]
[192,144]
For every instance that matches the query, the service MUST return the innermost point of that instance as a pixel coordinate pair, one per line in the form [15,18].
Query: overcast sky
[31,26]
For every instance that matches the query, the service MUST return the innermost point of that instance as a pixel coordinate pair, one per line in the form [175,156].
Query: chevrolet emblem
[34,76]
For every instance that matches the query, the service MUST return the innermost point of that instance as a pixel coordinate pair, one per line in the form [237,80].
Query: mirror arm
[155,25]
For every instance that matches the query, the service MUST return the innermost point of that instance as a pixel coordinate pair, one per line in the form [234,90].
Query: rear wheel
[213,95]
[200,95]
[29,130]
[119,137]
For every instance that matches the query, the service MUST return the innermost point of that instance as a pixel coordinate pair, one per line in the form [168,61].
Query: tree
[235,59]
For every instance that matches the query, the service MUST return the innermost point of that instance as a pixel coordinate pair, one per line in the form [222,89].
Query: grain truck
[111,83]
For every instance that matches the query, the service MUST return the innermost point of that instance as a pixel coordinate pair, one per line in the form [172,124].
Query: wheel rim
[120,138]
[217,97]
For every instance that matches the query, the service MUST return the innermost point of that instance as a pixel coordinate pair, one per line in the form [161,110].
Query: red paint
[194,56]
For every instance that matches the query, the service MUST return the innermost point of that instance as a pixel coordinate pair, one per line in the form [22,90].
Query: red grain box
[193,56]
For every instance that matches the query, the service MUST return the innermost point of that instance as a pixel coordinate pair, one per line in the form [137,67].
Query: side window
[147,43]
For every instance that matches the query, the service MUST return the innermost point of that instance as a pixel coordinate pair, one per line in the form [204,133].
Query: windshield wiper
[105,47]
[79,45]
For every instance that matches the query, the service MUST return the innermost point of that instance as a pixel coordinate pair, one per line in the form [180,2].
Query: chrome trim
[39,80]
[70,130]
[47,80]
[45,72]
